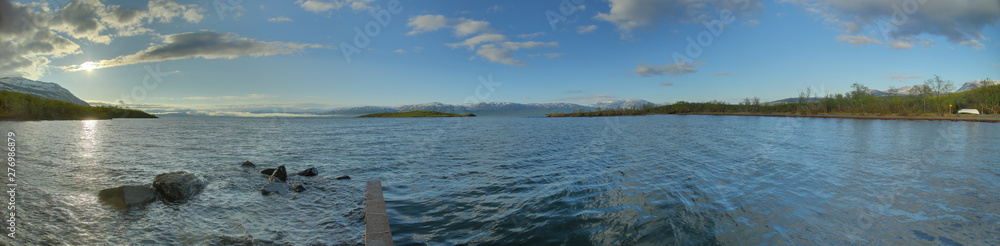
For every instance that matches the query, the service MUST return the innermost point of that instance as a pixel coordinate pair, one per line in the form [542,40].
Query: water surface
[652,180]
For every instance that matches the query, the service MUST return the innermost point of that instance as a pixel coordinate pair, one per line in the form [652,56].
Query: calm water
[653,180]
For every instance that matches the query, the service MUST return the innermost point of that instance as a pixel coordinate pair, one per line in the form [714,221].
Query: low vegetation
[416,113]
[932,98]
[19,106]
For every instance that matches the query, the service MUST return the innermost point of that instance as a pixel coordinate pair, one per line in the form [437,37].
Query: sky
[240,55]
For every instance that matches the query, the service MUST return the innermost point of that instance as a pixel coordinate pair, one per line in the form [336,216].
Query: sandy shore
[974,118]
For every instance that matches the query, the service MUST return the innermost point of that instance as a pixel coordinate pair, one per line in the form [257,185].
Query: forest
[934,97]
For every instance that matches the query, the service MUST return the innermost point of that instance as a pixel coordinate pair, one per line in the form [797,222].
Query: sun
[89,66]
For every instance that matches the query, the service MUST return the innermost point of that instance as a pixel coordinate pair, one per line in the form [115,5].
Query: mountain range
[39,89]
[491,108]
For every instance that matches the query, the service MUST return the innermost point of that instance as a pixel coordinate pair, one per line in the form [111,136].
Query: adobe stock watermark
[705,38]
[372,29]
[225,6]
[149,83]
[900,15]
[566,8]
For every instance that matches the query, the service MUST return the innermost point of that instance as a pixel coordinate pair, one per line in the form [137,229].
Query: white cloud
[467,27]
[499,55]
[279,19]
[481,38]
[529,45]
[531,35]
[319,6]
[667,84]
[399,51]
[32,34]
[462,26]
[858,40]
[900,45]
[676,69]
[426,23]
[554,55]
[586,29]
[629,15]
[203,44]
[959,21]
[975,44]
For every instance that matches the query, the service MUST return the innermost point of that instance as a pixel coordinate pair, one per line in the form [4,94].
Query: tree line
[19,106]
[933,97]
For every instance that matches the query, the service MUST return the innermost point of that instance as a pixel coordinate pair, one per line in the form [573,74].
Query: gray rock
[273,188]
[267,172]
[299,187]
[128,196]
[312,171]
[248,164]
[178,186]
[279,175]
[345,177]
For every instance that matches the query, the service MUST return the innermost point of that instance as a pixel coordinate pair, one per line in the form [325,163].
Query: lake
[650,180]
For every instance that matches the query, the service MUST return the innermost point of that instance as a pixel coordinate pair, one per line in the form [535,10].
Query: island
[416,113]
[20,106]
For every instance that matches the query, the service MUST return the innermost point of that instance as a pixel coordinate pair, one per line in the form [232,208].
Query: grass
[19,106]
[416,113]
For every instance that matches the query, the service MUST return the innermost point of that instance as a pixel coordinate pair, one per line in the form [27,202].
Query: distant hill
[40,89]
[489,108]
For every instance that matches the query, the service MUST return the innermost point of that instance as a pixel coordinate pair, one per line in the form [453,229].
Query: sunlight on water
[654,180]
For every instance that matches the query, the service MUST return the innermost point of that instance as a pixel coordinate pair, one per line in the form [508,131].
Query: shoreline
[974,118]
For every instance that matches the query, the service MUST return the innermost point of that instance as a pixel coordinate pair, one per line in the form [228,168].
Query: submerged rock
[127,196]
[248,164]
[345,177]
[178,186]
[312,171]
[273,188]
[279,175]
[267,172]
[298,187]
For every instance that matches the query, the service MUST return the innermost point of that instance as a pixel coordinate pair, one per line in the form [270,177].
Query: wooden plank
[376,219]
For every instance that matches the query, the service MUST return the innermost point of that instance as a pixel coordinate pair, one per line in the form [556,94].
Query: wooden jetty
[376,219]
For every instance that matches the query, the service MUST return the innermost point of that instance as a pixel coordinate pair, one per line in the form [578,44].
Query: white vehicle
[968,111]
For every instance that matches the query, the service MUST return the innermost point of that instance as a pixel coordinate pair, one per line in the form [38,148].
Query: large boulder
[273,188]
[279,175]
[128,196]
[309,172]
[267,171]
[178,186]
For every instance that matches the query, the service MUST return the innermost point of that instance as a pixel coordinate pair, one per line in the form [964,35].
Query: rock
[127,196]
[344,177]
[267,172]
[178,186]
[273,188]
[309,172]
[248,164]
[279,175]
[299,187]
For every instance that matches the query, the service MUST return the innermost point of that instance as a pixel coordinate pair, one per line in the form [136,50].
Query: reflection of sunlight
[88,138]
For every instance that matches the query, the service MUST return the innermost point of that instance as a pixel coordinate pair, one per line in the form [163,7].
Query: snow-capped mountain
[490,108]
[637,103]
[977,83]
[39,89]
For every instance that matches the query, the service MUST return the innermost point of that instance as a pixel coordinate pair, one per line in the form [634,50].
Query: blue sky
[237,55]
